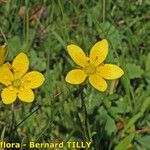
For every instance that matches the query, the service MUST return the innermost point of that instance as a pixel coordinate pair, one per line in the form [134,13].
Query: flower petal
[110,71]
[98,82]
[6,76]
[33,79]
[76,76]
[9,95]
[99,52]
[20,65]
[26,95]
[77,54]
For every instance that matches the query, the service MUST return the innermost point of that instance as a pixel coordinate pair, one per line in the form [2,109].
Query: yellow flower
[19,83]
[92,66]
[3,67]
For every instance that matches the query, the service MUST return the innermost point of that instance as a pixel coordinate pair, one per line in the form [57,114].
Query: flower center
[17,83]
[90,69]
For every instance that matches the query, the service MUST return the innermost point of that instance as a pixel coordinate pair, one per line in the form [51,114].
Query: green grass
[83,22]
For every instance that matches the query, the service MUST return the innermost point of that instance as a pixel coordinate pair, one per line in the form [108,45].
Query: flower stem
[13,118]
[13,133]
[85,117]
[104,7]
[39,107]
[104,33]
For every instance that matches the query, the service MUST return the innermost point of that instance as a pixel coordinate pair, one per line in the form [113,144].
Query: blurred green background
[117,119]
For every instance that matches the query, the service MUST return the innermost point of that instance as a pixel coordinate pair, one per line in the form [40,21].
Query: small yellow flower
[18,82]
[92,66]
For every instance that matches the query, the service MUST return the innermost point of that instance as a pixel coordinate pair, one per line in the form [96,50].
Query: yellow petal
[33,79]
[26,95]
[98,82]
[99,52]
[20,65]
[110,71]
[6,76]
[77,55]
[76,76]
[8,95]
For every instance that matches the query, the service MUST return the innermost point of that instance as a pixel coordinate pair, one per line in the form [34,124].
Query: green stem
[3,34]
[39,107]
[13,117]
[104,6]
[104,15]
[27,23]
[13,124]
[27,117]
[85,118]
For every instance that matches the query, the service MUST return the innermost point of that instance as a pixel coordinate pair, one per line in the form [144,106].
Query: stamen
[96,58]
[90,69]
[17,84]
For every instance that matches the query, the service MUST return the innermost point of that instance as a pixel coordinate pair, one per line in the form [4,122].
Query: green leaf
[92,101]
[147,2]
[121,107]
[147,68]
[144,141]
[14,46]
[110,126]
[136,117]
[107,30]
[103,116]
[36,62]
[134,71]
[123,144]
[147,62]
